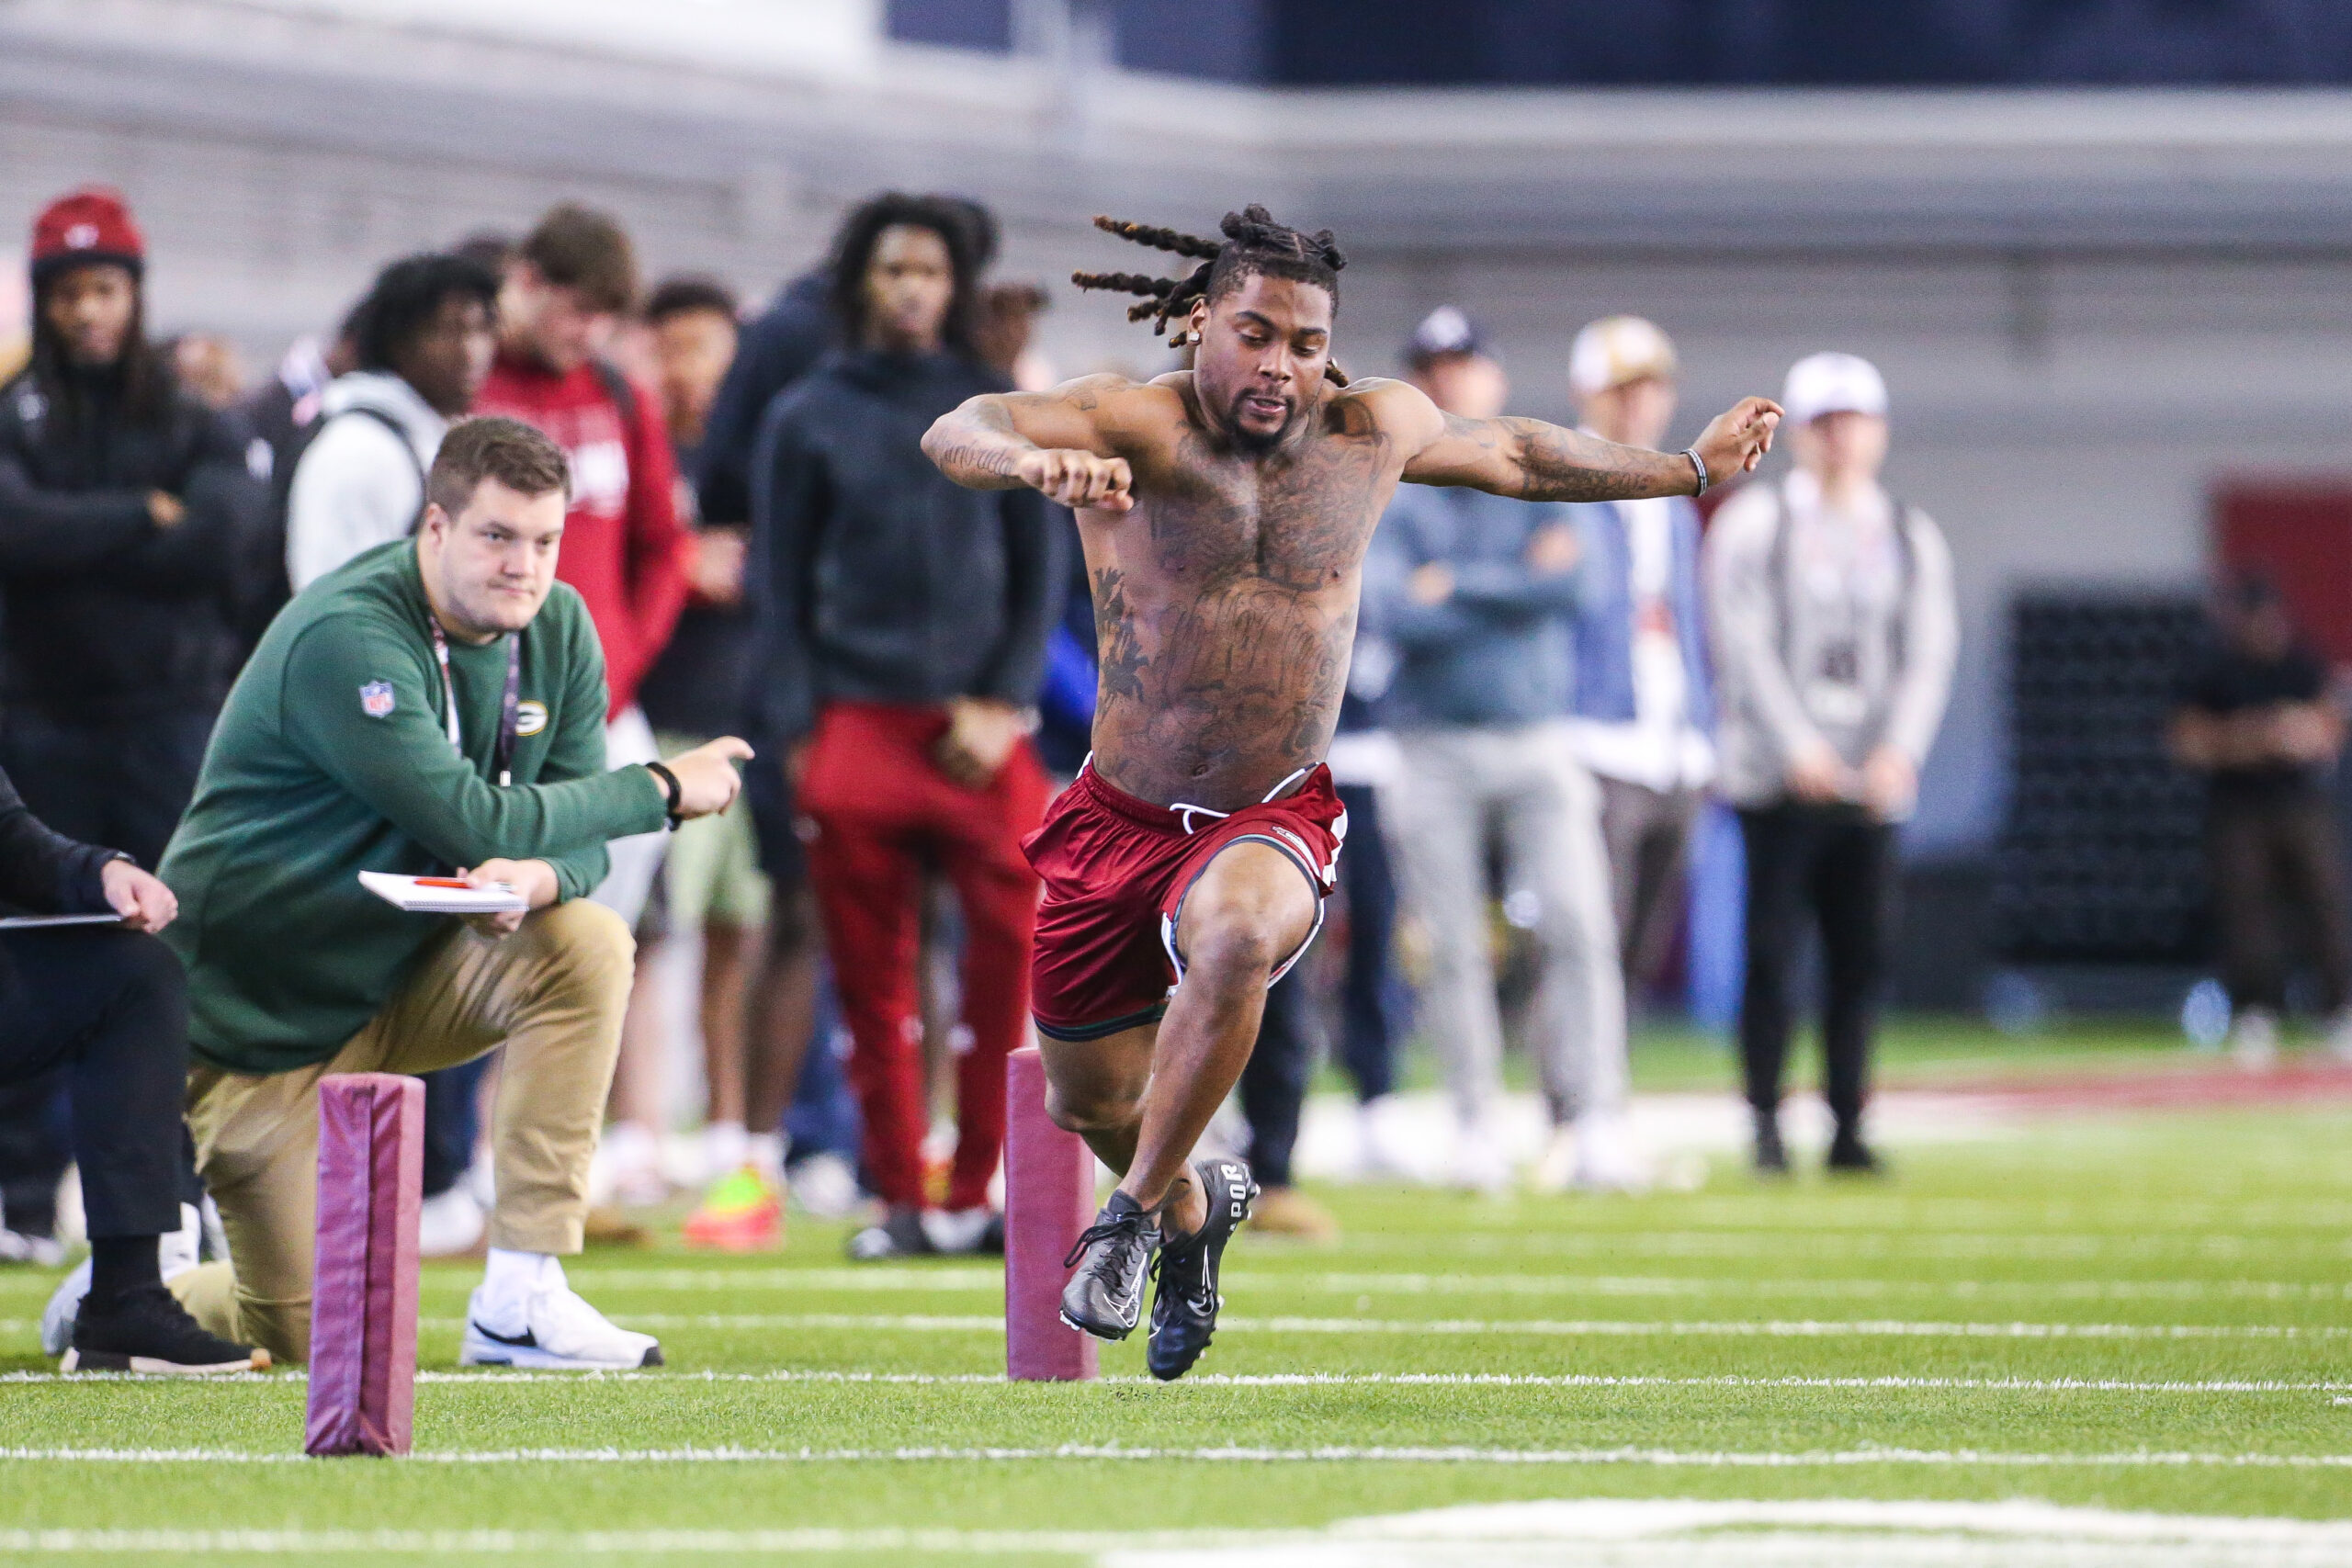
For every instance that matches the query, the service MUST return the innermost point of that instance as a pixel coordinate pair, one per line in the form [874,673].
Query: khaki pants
[553,993]
[1460,789]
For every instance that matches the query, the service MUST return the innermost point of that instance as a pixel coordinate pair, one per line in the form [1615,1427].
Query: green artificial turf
[2180,1248]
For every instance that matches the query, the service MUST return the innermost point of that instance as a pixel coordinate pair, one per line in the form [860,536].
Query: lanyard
[510,712]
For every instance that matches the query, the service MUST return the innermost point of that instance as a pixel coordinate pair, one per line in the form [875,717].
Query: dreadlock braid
[1253,242]
[1159,239]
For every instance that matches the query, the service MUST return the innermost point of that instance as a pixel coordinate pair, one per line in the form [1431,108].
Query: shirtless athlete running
[1225,513]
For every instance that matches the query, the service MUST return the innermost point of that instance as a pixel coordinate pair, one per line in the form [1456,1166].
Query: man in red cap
[124,504]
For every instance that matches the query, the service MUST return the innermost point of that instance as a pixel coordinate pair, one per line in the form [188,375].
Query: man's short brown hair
[579,247]
[517,456]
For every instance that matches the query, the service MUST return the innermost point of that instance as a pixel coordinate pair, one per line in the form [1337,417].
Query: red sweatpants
[883,813]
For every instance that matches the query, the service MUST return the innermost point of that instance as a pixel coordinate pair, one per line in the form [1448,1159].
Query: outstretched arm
[1534,461]
[1051,442]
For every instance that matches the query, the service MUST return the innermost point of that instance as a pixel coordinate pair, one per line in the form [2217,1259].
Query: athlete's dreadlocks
[1253,242]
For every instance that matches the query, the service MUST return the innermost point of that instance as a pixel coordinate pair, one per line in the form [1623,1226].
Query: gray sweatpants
[1522,788]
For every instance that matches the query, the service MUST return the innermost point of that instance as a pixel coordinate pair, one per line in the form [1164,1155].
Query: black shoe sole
[1069,1322]
[1248,1207]
[80,1360]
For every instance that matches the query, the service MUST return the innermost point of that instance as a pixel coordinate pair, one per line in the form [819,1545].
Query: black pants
[2278,869]
[108,1011]
[120,782]
[1834,864]
[1273,1083]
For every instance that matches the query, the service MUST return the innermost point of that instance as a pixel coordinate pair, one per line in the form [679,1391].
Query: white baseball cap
[1833,383]
[1618,349]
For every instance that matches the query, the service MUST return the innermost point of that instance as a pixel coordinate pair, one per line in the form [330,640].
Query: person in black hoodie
[124,508]
[109,1008]
[903,623]
[124,504]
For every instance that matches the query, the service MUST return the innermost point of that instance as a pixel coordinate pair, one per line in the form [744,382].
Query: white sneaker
[961,1232]
[824,1186]
[2340,1034]
[448,1223]
[1480,1164]
[553,1330]
[1385,1147]
[2253,1039]
[41,1251]
[1606,1158]
[176,1254]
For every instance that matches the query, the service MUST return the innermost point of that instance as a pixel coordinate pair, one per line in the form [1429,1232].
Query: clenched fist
[1078,480]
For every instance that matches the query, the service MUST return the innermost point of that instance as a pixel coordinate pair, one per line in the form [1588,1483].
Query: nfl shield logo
[376,699]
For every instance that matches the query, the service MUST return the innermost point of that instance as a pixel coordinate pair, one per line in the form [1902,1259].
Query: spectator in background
[903,623]
[421,346]
[126,509]
[1644,701]
[779,346]
[624,549]
[123,501]
[712,884]
[1836,633]
[2256,718]
[1479,594]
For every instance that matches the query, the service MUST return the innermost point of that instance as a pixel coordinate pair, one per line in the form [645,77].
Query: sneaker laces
[1132,1225]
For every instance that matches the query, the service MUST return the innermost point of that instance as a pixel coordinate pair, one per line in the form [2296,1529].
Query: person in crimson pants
[903,628]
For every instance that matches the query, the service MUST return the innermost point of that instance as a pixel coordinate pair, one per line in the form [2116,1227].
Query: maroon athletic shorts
[1116,870]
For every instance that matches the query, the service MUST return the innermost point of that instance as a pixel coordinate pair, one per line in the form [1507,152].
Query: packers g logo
[530,717]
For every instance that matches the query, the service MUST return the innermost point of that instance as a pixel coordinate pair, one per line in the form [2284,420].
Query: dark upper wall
[1688,42]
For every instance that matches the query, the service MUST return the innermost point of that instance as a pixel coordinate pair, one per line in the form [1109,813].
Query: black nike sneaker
[1104,1297]
[147,1330]
[1183,1309]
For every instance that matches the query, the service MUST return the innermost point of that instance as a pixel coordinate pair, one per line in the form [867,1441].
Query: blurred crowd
[1545,700]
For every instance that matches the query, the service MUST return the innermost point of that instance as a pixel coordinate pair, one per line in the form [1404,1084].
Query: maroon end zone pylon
[1048,1199]
[363,1291]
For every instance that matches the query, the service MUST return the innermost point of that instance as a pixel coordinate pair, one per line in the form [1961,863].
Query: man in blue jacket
[1644,706]
[1478,594]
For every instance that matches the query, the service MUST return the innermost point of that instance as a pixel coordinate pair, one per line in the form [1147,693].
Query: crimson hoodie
[624,547]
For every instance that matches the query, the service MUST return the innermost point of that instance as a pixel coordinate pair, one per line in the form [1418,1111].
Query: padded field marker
[363,1307]
[1048,1199]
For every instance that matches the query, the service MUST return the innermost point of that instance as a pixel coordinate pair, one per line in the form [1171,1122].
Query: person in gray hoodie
[1478,594]
[424,337]
[1835,633]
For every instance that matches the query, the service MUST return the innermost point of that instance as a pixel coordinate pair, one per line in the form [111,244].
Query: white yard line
[953,1281]
[1331,1454]
[1543,1328]
[494,1377]
[1830,1530]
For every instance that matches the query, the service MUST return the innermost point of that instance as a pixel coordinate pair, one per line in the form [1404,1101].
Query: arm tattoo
[1557,464]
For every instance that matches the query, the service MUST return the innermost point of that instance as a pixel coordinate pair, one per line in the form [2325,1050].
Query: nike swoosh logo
[525,1340]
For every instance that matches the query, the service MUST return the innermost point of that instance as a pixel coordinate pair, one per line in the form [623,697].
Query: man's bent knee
[1098,1110]
[585,942]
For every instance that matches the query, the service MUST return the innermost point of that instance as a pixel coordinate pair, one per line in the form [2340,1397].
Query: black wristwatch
[677,794]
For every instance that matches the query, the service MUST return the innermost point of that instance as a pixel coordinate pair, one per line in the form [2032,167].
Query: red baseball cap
[92,224]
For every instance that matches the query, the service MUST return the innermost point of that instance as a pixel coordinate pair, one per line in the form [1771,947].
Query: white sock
[763,1152]
[723,1147]
[509,1279]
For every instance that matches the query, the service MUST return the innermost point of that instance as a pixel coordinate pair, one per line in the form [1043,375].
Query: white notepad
[442,895]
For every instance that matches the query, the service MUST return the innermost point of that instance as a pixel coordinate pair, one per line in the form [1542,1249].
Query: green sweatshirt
[313,776]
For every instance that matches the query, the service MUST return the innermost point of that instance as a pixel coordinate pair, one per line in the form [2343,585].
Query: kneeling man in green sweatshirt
[435,706]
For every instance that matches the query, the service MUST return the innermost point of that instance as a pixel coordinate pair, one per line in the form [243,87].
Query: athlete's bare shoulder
[1384,405]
